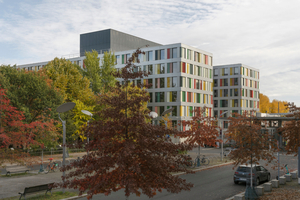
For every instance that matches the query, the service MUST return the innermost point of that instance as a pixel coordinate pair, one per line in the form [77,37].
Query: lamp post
[154,114]
[61,109]
[222,135]
[91,115]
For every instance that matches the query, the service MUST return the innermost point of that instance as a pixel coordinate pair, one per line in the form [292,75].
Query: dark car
[259,173]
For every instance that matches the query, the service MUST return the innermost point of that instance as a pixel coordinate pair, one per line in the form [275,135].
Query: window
[191,69]
[190,82]
[183,97]
[172,53]
[149,55]
[174,112]
[236,71]
[172,96]
[182,67]
[150,108]
[215,103]
[234,102]
[127,57]
[182,81]
[189,97]
[159,82]
[118,59]
[160,68]
[198,98]
[182,52]
[159,54]
[197,86]
[225,93]
[236,93]
[172,67]
[224,82]
[199,71]
[215,93]
[225,71]
[216,82]
[223,103]
[216,72]
[171,82]
[161,109]
[159,97]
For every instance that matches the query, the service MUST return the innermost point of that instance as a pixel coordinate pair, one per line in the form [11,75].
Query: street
[212,184]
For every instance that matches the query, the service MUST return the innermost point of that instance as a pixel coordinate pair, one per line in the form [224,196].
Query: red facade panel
[168,54]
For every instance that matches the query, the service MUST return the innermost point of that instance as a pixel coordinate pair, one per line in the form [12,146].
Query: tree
[271,107]
[17,134]
[30,92]
[73,86]
[202,130]
[264,102]
[69,81]
[291,130]
[126,150]
[101,77]
[252,144]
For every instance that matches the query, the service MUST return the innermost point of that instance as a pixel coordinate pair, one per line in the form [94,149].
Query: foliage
[91,70]
[107,70]
[68,79]
[126,151]
[271,107]
[202,130]
[80,119]
[291,130]
[30,92]
[14,133]
[251,144]
[101,77]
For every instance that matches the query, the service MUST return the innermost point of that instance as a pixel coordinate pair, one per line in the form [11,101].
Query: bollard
[267,187]
[259,190]
[282,180]
[288,177]
[294,174]
[275,183]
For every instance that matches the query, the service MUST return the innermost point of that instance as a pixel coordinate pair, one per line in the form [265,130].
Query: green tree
[30,92]
[101,77]
[69,81]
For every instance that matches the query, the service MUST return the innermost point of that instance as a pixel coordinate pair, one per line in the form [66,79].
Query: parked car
[259,173]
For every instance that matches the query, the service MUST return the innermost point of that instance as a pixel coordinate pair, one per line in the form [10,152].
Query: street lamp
[154,114]
[222,134]
[61,109]
[91,115]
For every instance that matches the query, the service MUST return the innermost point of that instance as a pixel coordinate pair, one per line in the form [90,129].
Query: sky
[264,34]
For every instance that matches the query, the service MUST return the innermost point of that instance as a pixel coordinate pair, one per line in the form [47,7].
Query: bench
[16,169]
[38,188]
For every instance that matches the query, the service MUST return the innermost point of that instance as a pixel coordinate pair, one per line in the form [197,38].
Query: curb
[232,198]
[178,174]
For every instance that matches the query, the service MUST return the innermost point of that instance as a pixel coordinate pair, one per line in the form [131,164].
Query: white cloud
[263,34]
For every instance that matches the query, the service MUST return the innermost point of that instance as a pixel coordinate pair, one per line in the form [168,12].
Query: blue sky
[263,34]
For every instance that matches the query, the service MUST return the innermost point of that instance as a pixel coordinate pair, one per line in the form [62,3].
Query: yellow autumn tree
[272,107]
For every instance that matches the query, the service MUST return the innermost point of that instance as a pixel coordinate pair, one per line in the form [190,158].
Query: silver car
[259,173]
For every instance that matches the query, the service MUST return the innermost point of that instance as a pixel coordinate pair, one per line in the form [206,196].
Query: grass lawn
[54,196]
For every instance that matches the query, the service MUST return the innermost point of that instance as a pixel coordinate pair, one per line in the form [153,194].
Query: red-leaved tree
[201,130]
[291,130]
[126,151]
[251,143]
[16,135]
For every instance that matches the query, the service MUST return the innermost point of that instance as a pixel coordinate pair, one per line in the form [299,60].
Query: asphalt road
[212,184]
